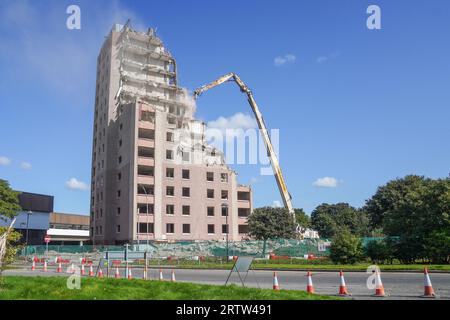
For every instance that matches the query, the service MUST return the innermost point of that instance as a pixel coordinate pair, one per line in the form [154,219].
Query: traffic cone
[161,277]
[309,286]
[100,273]
[45,265]
[33,266]
[117,275]
[59,269]
[82,270]
[173,276]
[379,289]
[91,271]
[275,282]
[428,288]
[343,288]
[129,274]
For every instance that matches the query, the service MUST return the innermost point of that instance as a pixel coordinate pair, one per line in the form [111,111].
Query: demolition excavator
[287,199]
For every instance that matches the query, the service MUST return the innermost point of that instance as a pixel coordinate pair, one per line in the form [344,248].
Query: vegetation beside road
[54,288]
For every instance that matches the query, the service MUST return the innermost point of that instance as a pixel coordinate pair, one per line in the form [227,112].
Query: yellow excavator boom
[287,200]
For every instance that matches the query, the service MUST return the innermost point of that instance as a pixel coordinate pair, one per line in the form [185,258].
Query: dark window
[210,193]
[170,209]
[169,136]
[224,177]
[170,191]
[243,212]
[211,228]
[224,195]
[118,228]
[170,172]
[186,210]
[170,228]
[186,174]
[224,211]
[118,210]
[118,193]
[169,154]
[243,228]
[119,176]
[210,176]
[120,160]
[224,228]
[210,211]
[186,192]
[186,228]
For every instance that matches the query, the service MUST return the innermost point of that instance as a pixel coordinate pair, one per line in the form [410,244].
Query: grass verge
[54,288]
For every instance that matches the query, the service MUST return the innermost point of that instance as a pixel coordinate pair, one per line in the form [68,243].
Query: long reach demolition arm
[262,127]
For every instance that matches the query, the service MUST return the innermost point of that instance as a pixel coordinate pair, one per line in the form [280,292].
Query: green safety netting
[279,247]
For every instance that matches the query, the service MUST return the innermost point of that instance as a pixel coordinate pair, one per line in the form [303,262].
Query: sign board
[47,238]
[241,266]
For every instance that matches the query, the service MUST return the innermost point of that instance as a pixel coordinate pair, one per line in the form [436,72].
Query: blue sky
[357,105]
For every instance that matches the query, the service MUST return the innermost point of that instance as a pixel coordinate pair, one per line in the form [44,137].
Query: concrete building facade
[154,176]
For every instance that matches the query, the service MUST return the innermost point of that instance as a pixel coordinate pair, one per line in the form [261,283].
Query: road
[397,285]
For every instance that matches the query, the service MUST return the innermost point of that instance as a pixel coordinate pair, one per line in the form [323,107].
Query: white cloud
[236,121]
[322,59]
[26,165]
[283,60]
[325,58]
[326,182]
[74,184]
[276,204]
[4,161]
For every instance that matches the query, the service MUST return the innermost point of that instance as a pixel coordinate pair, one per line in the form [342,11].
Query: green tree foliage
[302,218]
[346,248]
[379,251]
[9,201]
[331,219]
[271,223]
[417,211]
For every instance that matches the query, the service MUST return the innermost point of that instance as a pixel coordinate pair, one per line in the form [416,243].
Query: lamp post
[225,206]
[28,219]
[146,200]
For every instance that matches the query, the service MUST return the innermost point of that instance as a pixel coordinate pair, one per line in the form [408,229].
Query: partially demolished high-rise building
[154,177]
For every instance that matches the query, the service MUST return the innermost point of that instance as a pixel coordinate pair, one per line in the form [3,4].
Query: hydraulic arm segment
[262,127]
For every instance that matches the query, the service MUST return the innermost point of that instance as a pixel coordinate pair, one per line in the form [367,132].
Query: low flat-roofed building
[67,228]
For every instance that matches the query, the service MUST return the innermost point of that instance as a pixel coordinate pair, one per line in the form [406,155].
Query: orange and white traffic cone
[343,287]
[59,269]
[379,289]
[309,285]
[100,273]
[117,274]
[275,282]
[428,288]
[129,274]
[161,277]
[83,272]
[173,276]
[91,271]
[33,266]
[45,265]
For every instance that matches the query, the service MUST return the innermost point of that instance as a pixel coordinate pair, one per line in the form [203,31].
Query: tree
[271,223]
[379,251]
[330,219]
[346,248]
[9,207]
[416,210]
[9,201]
[302,218]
